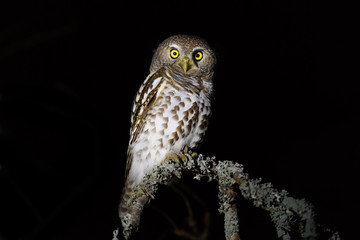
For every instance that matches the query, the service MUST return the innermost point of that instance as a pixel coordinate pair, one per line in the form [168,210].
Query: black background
[286,106]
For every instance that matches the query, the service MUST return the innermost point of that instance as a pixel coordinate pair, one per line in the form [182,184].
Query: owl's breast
[179,118]
[175,119]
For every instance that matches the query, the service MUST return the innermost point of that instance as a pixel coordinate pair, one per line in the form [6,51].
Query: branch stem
[284,210]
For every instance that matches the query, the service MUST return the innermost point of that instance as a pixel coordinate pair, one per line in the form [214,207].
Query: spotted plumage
[171,108]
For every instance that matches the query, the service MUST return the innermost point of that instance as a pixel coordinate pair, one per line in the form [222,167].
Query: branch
[284,210]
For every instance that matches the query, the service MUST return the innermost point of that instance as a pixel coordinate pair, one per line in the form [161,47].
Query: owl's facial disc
[185,59]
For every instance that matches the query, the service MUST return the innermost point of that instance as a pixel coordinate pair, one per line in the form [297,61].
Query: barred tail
[125,196]
[130,209]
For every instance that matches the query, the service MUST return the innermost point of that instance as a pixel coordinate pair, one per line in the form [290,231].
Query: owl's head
[188,54]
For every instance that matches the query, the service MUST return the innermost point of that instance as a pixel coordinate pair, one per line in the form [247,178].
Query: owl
[171,107]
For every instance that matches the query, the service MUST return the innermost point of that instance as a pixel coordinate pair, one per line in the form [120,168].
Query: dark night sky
[286,106]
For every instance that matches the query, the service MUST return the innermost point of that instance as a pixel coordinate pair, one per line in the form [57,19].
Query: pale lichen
[285,212]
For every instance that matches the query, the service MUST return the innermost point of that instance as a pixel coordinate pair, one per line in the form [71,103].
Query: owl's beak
[185,64]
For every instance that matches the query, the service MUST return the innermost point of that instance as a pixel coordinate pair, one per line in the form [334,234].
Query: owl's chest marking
[176,117]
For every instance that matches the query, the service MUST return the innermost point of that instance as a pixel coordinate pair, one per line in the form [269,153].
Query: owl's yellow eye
[174,54]
[198,56]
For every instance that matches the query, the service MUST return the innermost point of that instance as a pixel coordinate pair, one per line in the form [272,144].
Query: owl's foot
[175,157]
[188,150]
[181,156]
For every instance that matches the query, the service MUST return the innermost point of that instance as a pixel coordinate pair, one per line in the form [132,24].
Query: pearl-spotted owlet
[171,107]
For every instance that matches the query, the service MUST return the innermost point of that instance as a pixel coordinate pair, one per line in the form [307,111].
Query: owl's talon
[175,157]
[187,150]
[182,157]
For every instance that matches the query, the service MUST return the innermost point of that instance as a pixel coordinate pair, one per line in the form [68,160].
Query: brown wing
[144,100]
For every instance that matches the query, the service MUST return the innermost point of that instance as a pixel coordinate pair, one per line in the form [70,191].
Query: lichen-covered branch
[285,211]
